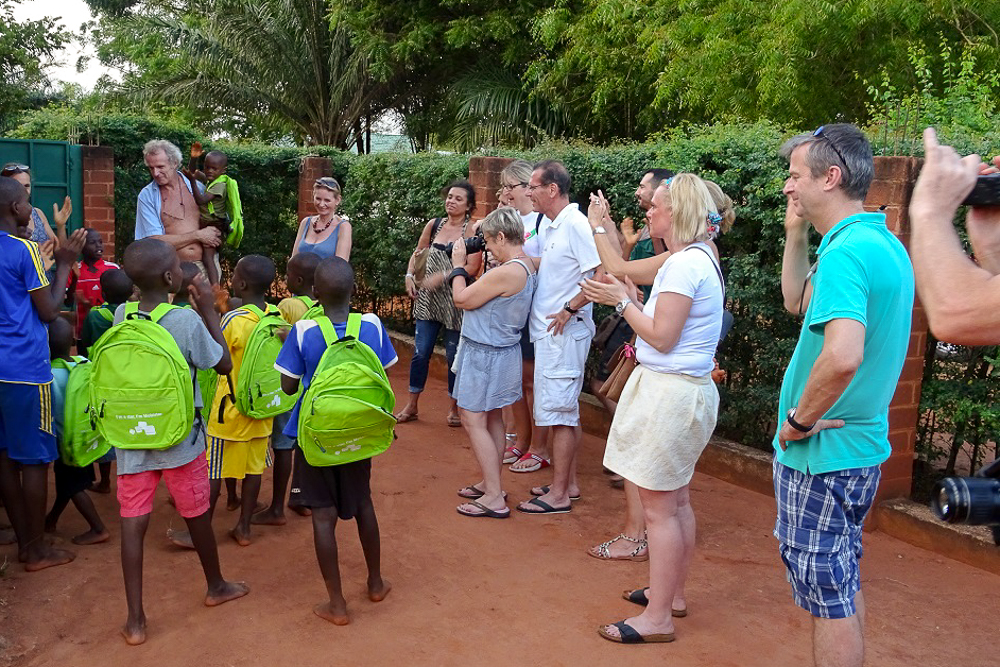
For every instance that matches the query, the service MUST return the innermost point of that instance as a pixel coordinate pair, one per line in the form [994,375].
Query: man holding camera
[561,327]
[961,296]
[833,408]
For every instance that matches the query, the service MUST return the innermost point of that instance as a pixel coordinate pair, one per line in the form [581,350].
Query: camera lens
[973,501]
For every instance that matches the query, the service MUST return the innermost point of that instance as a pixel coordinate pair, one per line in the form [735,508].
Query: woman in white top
[669,406]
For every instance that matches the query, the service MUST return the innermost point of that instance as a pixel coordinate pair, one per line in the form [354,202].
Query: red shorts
[188,485]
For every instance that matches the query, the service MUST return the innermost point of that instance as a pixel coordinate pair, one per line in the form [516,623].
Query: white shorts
[559,364]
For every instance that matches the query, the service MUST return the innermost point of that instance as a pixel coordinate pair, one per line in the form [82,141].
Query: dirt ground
[481,592]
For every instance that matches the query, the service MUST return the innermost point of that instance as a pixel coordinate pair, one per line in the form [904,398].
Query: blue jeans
[424,337]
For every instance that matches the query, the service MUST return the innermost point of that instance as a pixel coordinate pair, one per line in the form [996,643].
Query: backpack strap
[309,301]
[132,311]
[330,333]
[105,312]
[353,326]
[63,364]
[711,257]
[538,222]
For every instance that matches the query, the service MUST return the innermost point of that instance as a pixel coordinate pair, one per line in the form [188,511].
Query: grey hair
[505,219]
[840,145]
[518,170]
[163,146]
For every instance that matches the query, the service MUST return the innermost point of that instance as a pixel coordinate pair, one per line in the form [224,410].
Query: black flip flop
[486,511]
[628,635]
[545,489]
[546,508]
[638,596]
[479,493]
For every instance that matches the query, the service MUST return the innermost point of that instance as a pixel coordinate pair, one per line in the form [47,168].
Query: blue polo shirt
[24,338]
[863,274]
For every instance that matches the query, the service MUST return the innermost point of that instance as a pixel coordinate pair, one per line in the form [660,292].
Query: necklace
[317,230]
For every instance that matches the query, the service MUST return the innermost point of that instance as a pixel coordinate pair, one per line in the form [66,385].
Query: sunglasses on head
[819,134]
[329,183]
[12,168]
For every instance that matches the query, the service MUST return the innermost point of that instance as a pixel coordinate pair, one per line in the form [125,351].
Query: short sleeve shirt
[568,256]
[292,309]
[24,338]
[88,286]
[863,274]
[217,191]
[201,351]
[237,326]
[305,346]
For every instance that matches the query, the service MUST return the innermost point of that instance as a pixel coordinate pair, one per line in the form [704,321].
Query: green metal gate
[56,171]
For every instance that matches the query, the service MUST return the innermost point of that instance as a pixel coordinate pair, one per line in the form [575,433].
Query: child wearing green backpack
[72,481]
[219,204]
[194,339]
[339,491]
[299,276]
[239,424]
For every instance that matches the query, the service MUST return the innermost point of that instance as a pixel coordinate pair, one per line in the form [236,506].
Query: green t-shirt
[863,274]
[642,250]
[217,190]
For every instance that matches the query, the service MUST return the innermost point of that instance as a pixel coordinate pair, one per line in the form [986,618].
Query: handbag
[624,363]
[420,255]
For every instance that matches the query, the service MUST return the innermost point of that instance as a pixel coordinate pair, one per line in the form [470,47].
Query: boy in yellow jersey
[299,276]
[237,444]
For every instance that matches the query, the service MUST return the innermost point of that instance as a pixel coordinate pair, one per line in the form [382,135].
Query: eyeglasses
[819,134]
[328,182]
[12,168]
[532,188]
[509,188]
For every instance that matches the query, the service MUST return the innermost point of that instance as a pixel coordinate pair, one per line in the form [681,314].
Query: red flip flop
[539,463]
[511,455]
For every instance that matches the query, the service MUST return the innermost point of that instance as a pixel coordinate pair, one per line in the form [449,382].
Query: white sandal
[601,551]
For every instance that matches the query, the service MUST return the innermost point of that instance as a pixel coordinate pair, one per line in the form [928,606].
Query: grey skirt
[487,377]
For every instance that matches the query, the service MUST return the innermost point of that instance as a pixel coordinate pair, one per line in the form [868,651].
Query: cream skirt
[661,426]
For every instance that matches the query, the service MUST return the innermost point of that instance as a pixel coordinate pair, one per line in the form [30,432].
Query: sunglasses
[819,134]
[329,183]
[12,168]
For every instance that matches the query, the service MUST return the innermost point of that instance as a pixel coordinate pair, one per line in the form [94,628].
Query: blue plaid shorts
[819,534]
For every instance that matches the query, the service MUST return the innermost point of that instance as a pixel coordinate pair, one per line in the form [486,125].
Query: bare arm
[640,271]
[962,299]
[300,234]
[795,263]
[47,301]
[201,198]
[345,239]
[663,330]
[289,385]
[501,281]
[209,236]
[835,367]
[203,300]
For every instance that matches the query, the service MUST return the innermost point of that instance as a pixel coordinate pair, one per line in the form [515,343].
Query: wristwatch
[569,309]
[599,229]
[802,428]
[622,305]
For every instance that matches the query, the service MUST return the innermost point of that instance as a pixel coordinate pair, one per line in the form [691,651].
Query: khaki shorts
[201,266]
[559,364]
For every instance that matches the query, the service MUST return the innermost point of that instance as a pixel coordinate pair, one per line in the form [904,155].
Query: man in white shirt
[561,328]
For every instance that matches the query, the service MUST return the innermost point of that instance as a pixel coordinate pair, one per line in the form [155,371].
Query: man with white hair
[166,208]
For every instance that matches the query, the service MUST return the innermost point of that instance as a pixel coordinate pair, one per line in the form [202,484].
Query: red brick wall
[484,174]
[310,169]
[99,193]
[892,187]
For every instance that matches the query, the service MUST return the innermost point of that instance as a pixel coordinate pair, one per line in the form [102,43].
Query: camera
[973,501]
[473,244]
[986,192]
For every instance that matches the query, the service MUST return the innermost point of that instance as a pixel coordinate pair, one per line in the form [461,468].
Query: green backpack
[234,209]
[80,444]
[141,392]
[346,413]
[258,391]
[315,308]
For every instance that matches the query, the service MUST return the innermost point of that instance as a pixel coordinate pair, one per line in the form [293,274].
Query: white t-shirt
[532,239]
[568,256]
[692,273]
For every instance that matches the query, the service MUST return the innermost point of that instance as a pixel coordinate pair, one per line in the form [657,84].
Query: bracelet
[410,275]
[797,426]
[460,271]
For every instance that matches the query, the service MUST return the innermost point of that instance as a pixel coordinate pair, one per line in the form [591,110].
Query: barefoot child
[219,203]
[155,268]
[27,443]
[72,481]
[338,491]
[238,443]
[299,277]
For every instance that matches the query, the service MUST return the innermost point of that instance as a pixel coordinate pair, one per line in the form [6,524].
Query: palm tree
[281,64]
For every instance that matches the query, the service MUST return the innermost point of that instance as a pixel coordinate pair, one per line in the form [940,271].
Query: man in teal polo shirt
[833,409]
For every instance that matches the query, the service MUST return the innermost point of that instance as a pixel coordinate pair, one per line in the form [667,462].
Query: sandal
[543,490]
[454,421]
[472,493]
[484,511]
[601,551]
[511,455]
[638,596]
[628,635]
[539,463]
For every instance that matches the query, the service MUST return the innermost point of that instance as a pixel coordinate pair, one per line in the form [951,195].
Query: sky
[72,14]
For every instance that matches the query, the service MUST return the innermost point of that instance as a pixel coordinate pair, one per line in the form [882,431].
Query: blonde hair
[518,170]
[724,205]
[505,219]
[691,202]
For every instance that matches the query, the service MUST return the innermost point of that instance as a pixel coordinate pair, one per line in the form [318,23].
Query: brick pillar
[892,187]
[484,174]
[99,193]
[311,168]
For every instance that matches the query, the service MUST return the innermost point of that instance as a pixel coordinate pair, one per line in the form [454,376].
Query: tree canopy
[26,48]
